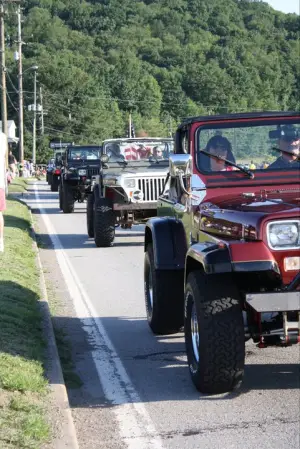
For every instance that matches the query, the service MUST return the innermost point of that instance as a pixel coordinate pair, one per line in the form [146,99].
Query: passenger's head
[158,152]
[218,146]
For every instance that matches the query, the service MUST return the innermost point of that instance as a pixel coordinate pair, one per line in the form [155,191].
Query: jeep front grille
[93,172]
[151,187]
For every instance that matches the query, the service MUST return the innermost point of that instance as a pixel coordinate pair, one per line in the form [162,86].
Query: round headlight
[138,195]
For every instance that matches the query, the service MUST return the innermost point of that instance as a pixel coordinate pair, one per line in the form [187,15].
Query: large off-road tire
[90,215]
[54,186]
[67,199]
[214,332]
[104,223]
[164,296]
[60,197]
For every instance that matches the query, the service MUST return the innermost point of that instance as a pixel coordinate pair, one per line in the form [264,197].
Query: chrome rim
[195,332]
[150,290]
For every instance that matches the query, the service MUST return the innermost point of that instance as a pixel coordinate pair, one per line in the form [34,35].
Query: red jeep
[222,258]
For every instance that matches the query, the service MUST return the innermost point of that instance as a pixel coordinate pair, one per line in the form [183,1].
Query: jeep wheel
[104,223]
[90,215]
[54,186]
[214,333]
[164,297]
[67,200]
[60,197]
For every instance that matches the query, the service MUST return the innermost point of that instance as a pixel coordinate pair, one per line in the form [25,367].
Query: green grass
[23,387]
[18,185]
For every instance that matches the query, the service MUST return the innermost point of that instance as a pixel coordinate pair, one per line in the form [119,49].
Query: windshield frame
[82,148]
[163,141]
[236,177]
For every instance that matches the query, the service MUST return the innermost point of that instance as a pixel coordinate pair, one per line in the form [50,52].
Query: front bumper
[147,205]
[274,302]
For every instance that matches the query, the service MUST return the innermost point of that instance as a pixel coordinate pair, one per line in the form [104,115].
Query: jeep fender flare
[168,238]
[211,257]
[221,258]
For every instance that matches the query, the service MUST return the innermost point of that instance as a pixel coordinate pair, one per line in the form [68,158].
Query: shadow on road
[157,365]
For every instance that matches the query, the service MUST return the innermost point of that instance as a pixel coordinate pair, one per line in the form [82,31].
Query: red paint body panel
[240,221]
[245,252]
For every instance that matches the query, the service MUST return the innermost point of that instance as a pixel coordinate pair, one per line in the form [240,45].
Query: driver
[113,151]
[289,144]
[77,155]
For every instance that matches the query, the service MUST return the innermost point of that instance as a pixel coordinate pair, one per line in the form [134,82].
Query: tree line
[162,60]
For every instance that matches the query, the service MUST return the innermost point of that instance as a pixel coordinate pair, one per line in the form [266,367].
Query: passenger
[289,144]
[219,146]
[12,163]
[131,153]
[143,151]
[252,166]
[158,152]
[265,165]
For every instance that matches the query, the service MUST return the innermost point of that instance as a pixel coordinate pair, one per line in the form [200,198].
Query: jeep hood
[232,212]
[136,171]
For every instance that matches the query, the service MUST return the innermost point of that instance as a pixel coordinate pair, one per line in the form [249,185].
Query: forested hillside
[162,59]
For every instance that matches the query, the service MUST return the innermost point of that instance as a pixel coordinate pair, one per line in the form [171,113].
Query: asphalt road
[136,389]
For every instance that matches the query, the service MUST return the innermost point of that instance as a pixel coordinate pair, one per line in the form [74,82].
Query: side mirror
[181,165]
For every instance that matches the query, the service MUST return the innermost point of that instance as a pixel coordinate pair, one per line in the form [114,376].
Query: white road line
[135,425]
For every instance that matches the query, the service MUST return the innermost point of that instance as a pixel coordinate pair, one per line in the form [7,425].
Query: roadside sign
[54,145]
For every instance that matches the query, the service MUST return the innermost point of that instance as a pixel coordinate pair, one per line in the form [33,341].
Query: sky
[285,5]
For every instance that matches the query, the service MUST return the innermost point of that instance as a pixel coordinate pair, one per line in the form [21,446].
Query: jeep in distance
[133,173]
[80,165]
[222,258]
[54,172]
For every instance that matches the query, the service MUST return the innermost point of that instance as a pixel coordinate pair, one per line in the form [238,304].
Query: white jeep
[133,174]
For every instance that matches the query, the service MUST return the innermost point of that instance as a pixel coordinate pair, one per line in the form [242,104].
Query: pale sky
[285,5]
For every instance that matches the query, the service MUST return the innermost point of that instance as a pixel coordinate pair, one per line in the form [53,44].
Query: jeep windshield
[254,147]
[84,153]
[139,150]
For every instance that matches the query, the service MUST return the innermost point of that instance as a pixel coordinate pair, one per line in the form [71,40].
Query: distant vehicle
[133,173]
[56,171]
[49,170]
[80,165]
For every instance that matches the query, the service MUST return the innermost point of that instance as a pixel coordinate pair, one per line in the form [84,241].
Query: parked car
[80,165]
[133,173]
[222,258]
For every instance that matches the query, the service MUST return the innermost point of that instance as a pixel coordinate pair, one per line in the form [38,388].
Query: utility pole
[129,125]
[69,106]
[20,85]
[3,76]
[34,122]
[42,112]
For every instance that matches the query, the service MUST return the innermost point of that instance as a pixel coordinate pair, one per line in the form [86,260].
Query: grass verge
[18,185]
[23,387]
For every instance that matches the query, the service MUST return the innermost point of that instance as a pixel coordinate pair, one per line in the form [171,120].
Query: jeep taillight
[57,172]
